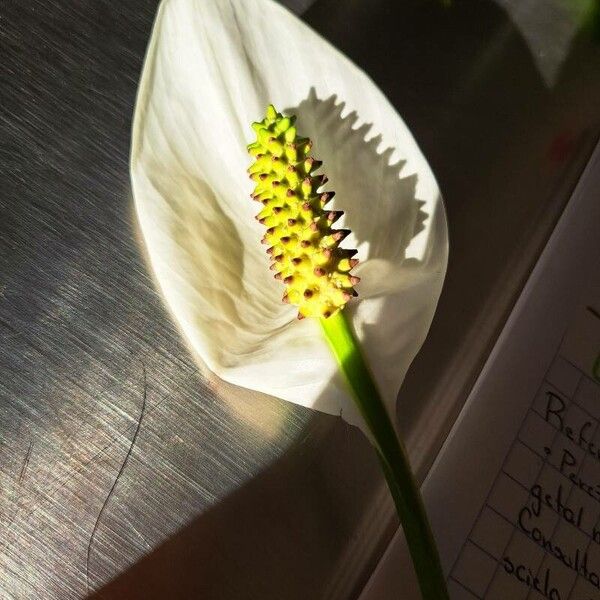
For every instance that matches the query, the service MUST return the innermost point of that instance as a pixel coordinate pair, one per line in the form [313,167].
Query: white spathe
[211,69]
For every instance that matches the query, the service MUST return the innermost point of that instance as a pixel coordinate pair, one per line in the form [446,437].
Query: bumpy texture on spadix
[304,248]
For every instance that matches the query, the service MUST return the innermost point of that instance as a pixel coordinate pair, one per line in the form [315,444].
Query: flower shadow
[380,206]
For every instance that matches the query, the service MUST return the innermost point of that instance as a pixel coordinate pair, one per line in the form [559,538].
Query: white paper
[538,529]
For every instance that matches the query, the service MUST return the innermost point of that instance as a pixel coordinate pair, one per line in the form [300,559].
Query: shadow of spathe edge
[380,207]
[248,545]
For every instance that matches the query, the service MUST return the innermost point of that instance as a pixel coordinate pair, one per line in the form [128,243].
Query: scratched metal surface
[111,441]
[119,462]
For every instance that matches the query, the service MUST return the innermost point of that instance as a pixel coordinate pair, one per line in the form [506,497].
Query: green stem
[402,484]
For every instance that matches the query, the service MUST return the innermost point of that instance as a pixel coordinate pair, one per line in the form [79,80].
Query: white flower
[211,69]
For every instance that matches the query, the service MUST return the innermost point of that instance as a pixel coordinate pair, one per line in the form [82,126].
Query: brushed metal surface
[110,439]
[118,459]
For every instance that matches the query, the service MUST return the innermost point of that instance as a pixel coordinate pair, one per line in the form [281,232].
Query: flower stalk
[392,455]
[306,256]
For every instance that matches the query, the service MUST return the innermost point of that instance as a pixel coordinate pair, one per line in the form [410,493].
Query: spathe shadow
[378,199]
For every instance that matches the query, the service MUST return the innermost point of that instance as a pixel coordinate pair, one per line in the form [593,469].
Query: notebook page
[538,532]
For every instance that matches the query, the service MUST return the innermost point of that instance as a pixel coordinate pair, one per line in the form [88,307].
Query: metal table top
[124,473]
